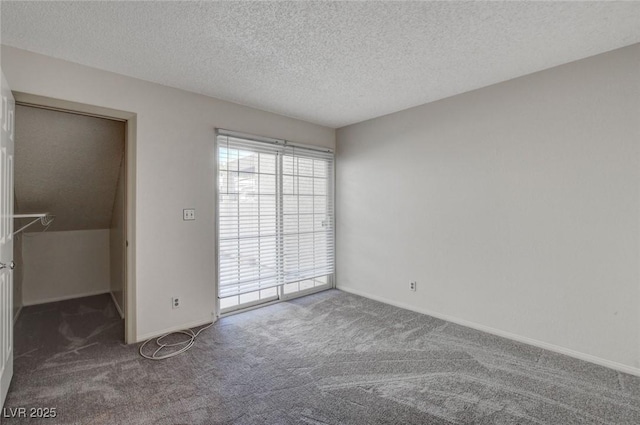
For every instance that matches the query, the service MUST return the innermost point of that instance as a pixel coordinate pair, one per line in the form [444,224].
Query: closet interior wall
[71,166]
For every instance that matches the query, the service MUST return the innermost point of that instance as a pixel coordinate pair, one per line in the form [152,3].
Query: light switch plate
[189,214]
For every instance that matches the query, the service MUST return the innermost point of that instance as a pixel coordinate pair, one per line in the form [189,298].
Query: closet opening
[73,172]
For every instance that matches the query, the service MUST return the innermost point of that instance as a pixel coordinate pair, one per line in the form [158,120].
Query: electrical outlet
[175,302]
[412,286]
[189,214]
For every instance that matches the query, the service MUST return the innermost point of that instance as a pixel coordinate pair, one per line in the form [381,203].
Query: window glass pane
[305,167]
[267,163]
[267,205]
[247,162]
[232,182]
[289,186]
[222,181]
[305,204]
[222,158]
[305,223]
[319,168]
[306,284]
[305,185]
[268,293]
[232,159]
[320,205]
[250,297]
[289,165]
[290,204]
[228,302]
[267,225]
[291,287]
[248,205]
[267,184]
[319,186]
[290,223]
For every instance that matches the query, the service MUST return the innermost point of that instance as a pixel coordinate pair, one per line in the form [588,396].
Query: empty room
[322,212]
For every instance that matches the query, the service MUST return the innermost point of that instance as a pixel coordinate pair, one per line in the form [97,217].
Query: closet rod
[44,218]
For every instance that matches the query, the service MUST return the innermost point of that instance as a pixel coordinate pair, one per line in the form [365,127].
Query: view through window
[275,221]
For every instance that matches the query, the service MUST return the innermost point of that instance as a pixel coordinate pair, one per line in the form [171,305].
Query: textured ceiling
[67,165]
[332,63]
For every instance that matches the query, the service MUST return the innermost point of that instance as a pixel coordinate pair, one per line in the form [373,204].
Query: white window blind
[275,214]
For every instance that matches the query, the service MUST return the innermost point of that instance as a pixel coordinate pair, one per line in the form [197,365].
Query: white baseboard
[64,298]
[15,317]
[536,343]
[184,326]
[113,297]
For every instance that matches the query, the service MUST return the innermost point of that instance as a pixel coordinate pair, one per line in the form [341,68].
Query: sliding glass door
[275,220]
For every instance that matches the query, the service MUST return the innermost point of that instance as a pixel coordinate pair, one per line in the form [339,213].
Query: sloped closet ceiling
[67,165]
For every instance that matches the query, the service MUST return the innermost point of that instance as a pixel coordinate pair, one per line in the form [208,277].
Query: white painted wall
[63,265]
[117,243]
[175,169]
[516,207]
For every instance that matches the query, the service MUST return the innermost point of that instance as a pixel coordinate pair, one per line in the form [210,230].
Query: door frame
[130,119]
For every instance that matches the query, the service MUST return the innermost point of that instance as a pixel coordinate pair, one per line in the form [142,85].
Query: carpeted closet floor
[328,358]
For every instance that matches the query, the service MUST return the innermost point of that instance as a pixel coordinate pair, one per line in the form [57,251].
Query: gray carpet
[329,358]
